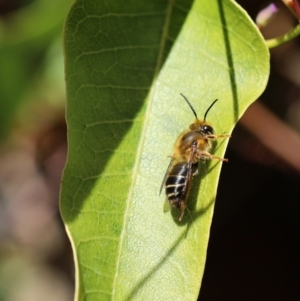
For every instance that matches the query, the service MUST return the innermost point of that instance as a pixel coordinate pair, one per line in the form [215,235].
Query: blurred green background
[253,251]
[35,256]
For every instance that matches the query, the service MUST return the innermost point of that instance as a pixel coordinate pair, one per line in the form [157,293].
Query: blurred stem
[285,38]
[281,139]
[293,6]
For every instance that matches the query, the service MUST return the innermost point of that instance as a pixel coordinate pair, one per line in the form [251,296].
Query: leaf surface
[126,64]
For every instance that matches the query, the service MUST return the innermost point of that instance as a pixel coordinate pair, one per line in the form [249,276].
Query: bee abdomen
[176,182]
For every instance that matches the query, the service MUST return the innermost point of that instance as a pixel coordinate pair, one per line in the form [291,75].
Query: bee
[192,145]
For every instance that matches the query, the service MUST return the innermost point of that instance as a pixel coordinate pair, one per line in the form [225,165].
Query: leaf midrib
[142,138]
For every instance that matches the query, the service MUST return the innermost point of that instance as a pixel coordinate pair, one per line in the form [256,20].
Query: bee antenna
[190,105]
[209,108]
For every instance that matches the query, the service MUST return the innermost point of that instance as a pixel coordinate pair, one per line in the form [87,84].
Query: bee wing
[166,175]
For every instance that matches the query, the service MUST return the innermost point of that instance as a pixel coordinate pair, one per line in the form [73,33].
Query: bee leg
[218,136]
[207,155]
[196,172]
[182,209]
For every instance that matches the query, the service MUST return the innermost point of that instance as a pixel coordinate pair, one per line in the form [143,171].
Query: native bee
[191,146]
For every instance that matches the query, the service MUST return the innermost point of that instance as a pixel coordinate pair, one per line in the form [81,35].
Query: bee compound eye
[207,129]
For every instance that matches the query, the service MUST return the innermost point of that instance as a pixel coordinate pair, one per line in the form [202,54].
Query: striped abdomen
[177,183]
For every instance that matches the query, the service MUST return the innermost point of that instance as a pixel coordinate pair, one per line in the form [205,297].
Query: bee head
[201,126]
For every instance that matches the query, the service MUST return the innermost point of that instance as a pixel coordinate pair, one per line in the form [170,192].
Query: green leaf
[126,63]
